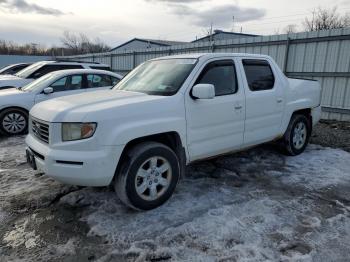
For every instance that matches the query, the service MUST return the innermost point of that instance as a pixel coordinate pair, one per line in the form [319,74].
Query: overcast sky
[44,21]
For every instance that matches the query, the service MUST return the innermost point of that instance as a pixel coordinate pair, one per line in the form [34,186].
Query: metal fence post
[212,47]
[133,59]
[111,61]
[286,54]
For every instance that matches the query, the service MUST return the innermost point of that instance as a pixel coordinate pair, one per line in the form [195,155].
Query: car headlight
[77,131]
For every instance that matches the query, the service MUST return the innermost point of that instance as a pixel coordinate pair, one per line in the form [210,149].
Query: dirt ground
[256,205]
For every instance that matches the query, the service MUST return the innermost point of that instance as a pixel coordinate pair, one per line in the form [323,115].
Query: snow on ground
[256,205]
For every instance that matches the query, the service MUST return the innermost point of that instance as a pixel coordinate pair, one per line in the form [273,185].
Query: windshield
[158,77]
[3,69]
[39,83]
[29,70]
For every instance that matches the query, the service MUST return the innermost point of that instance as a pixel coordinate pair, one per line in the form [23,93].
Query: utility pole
[211,32]
[233,23]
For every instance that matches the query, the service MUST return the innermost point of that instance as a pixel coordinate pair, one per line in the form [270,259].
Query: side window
[75,82]
[95,81]
[222,75]
[64,67]
[107,68]
[51,68]
[68,83]
[259,74]
[59,85]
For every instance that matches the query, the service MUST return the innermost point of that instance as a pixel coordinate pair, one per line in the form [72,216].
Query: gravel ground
[256,205]
[332,134]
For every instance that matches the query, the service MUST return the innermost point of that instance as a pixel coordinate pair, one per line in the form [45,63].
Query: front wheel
[148,176]
[13,121]
[297,135]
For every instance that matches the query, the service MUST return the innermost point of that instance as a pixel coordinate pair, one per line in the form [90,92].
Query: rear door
[216,126]
[264,101]
[68,85]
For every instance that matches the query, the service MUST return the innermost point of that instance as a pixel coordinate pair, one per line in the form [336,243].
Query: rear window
[259,74]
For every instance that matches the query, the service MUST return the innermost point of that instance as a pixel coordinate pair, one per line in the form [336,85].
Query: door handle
[279,100]
[238,107]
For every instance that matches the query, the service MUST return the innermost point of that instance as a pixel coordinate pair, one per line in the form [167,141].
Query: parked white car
[166,113]
[42,68]
[13,69]
[15,103]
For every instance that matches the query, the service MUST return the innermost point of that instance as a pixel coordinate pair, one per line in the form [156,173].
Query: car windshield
[158,77]
[3,69]
[29,70]
[39,83]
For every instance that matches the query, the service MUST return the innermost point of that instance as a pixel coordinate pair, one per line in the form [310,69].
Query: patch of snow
[252,206]
[20,235]
[210,218]
[67,248]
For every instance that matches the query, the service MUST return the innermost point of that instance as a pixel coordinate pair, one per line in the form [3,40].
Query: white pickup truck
[169,112]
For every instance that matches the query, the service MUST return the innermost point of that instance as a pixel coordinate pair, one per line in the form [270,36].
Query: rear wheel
[149,177]
[13,121]
[297,135]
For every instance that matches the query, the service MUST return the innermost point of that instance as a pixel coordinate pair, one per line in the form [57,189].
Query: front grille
[41,130]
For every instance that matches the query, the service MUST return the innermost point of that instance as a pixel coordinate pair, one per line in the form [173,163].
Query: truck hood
[75,108]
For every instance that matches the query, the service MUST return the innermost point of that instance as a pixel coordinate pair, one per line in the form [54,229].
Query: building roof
[217,32]
[151,41]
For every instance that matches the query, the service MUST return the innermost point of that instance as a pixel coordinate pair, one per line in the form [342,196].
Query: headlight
[77,131]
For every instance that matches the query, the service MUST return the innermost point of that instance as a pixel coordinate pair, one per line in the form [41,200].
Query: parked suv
[166,113]
[13,69]
[15,103]
[42,68]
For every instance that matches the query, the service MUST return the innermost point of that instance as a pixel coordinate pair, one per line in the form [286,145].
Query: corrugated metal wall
[14,59]
[322,55]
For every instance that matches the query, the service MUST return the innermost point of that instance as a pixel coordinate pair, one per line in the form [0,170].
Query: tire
[13,121]
[297,135]
[136,184]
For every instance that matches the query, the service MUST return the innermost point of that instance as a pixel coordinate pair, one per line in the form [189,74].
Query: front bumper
[82,168]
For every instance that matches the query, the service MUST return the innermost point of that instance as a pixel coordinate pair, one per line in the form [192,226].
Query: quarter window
[259,74]
[95,81]
[222,75]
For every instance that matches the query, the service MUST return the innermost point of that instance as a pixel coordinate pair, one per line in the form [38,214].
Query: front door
[216,126]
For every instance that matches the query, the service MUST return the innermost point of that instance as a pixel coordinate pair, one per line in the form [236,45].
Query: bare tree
[323,19]
[82,44]
[290,29]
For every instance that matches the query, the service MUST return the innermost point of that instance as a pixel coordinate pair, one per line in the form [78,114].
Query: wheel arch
[171,139]
[14,107]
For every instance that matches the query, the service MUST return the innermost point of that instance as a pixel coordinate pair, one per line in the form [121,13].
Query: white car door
[216,126]
[264,101]
[64,86]
[98,82]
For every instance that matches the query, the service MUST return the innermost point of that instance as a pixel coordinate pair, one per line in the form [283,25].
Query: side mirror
[203,91]
[48,90]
